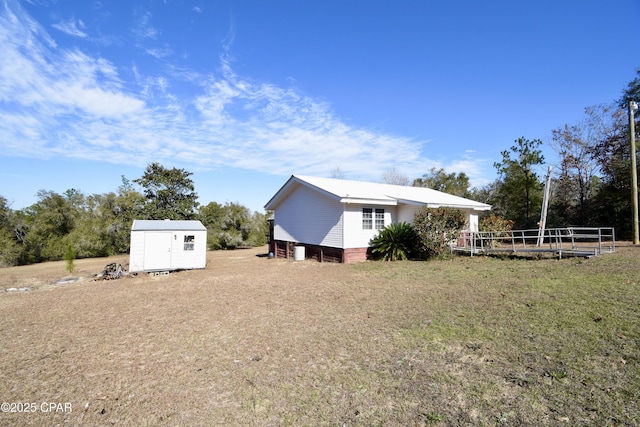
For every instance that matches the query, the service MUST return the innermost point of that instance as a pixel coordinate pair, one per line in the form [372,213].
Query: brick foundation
[355,254]
[284,249]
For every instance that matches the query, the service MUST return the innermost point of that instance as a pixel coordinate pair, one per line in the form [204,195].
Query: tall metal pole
[634,171]
[545,205]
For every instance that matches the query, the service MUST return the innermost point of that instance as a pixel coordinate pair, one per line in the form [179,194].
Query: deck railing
[570,241]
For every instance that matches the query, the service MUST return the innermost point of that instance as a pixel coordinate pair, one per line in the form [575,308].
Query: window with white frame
[367,218]
[379,220]
[372,219]
[189,243]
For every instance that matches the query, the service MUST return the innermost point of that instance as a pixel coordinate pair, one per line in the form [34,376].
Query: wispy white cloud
[475,168]
[63,102]
[71,28]
[143,28]
[146,35]
[159,53]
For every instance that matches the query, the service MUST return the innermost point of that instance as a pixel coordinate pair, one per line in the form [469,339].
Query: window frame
[367,218]
[189,242]
[373,218]
[378,218]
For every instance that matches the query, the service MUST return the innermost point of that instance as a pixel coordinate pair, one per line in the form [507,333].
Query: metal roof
[347,191]
[166,225]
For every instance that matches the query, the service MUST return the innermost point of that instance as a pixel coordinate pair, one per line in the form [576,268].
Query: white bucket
[298,253]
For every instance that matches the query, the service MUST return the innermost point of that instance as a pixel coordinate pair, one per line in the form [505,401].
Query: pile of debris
[111,271]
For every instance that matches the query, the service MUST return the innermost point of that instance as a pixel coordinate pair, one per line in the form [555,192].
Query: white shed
[167,245]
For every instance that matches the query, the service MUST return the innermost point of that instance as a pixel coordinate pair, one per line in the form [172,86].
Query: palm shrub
[395,242]
[436,228]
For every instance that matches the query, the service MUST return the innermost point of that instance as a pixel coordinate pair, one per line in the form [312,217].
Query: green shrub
[495,223]
[498,229]
[395,242]
[436,228]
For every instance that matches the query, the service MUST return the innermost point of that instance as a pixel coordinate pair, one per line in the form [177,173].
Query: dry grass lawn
[255,341]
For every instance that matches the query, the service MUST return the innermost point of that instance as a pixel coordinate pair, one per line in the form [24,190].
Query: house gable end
[309,216]
[292,185]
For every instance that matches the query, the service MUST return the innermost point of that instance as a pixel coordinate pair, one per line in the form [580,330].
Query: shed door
[157,250]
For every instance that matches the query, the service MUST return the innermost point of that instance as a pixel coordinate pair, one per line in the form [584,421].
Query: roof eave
[481,207]
[360,201]
[448,205]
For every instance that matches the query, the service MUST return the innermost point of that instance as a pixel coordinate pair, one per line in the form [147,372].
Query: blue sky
[245,93]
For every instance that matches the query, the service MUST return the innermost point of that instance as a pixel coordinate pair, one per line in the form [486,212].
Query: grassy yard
[252,341]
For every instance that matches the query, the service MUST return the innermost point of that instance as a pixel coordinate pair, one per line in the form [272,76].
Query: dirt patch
[162,349]
[256,341]
[47,274]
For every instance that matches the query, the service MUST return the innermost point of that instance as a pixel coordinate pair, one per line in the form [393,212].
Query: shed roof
[166,225]
[347,191]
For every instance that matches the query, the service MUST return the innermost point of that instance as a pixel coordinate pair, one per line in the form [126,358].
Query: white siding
[307,216]
[473,222]
[182,259]
[355,235]
[407,212]
[136,251]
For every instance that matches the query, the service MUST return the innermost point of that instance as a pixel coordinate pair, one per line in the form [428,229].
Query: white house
[167,245]
[335,219]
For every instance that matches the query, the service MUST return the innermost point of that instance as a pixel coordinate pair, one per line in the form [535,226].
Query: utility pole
[545,205]
[634,172]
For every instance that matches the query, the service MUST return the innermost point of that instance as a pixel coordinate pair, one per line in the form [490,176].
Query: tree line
[100,224]
[590,185]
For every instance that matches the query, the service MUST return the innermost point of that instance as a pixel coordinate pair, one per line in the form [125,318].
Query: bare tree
[580,148]
[394,177]
[337,173]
